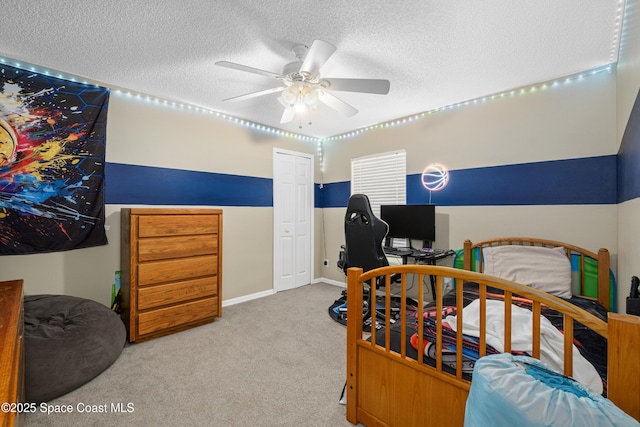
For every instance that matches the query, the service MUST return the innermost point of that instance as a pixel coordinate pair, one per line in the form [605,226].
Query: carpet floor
[273,361]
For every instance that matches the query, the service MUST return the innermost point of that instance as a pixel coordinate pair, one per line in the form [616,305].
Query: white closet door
[293,219]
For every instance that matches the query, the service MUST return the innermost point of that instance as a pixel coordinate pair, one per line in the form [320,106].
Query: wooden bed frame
[389,388]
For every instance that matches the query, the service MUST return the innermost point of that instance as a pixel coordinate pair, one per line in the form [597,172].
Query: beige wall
[143,133]
[568,121]
[628,73]
[193,141]
[571,121]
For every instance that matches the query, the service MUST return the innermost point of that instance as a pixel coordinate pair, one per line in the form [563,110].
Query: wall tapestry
[52,152]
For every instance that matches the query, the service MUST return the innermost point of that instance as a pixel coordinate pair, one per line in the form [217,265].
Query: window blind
[382,177]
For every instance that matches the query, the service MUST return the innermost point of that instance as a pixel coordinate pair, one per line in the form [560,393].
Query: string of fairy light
[531,89]
[613,58]
[509,93]
[320,141]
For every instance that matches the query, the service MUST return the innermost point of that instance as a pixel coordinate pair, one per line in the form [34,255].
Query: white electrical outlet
[326,261]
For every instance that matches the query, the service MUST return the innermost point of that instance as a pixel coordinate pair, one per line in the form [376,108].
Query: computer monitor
[415,222]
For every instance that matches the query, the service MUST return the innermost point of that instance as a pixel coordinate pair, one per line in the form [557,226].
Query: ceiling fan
[301,87]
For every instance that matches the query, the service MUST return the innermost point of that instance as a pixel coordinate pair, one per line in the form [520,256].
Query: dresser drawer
[178,315]
[173,270]
[178,292]
[176,225]
[159,248]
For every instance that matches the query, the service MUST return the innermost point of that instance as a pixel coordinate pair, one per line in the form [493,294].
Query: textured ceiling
[434,52]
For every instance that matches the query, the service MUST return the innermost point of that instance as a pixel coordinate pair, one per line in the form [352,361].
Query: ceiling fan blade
[248,69]
[255,94]
[376,86]
[287,115]
[318,54]
[337,104]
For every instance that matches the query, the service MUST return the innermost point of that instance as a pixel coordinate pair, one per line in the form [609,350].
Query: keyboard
[419,253]
[398,251]
[431,251]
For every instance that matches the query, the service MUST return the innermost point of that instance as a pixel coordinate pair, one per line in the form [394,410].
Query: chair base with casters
[338,310]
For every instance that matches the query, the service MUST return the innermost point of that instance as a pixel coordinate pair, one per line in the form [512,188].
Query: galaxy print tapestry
[52,152]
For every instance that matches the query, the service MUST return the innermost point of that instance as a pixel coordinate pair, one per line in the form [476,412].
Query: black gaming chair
[364,236]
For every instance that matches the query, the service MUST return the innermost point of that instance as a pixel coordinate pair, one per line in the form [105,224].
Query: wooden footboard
[385,386]
[624,362]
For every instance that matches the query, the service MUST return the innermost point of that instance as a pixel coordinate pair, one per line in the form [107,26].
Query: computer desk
[421,256]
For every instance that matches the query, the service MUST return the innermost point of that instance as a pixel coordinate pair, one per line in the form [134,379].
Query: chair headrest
[359,203]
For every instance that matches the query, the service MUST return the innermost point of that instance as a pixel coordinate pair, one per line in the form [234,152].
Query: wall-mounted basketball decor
[435,177]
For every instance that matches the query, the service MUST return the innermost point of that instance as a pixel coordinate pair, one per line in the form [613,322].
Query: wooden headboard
[602,258]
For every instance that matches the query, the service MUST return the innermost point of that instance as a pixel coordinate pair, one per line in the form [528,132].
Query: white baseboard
[262,294]
[330,282]
[246,298]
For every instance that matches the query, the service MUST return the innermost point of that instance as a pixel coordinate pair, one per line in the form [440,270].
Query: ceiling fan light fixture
[300,97]
[290,95]
[299,108]
[310,96]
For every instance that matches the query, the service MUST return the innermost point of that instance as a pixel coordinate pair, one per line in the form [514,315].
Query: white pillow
[547,269]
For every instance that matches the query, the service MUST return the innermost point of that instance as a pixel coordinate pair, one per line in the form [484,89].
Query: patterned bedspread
[591,345]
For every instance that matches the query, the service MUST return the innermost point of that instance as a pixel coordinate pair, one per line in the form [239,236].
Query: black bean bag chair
[68,342]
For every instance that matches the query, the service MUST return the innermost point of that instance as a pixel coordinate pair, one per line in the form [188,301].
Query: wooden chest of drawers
[171,262]
[11,352]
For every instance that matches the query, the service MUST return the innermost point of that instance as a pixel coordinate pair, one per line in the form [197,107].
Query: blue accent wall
[594,180]
[336,194]
[629,157]
[590,180]
[131,184]
[582,181]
